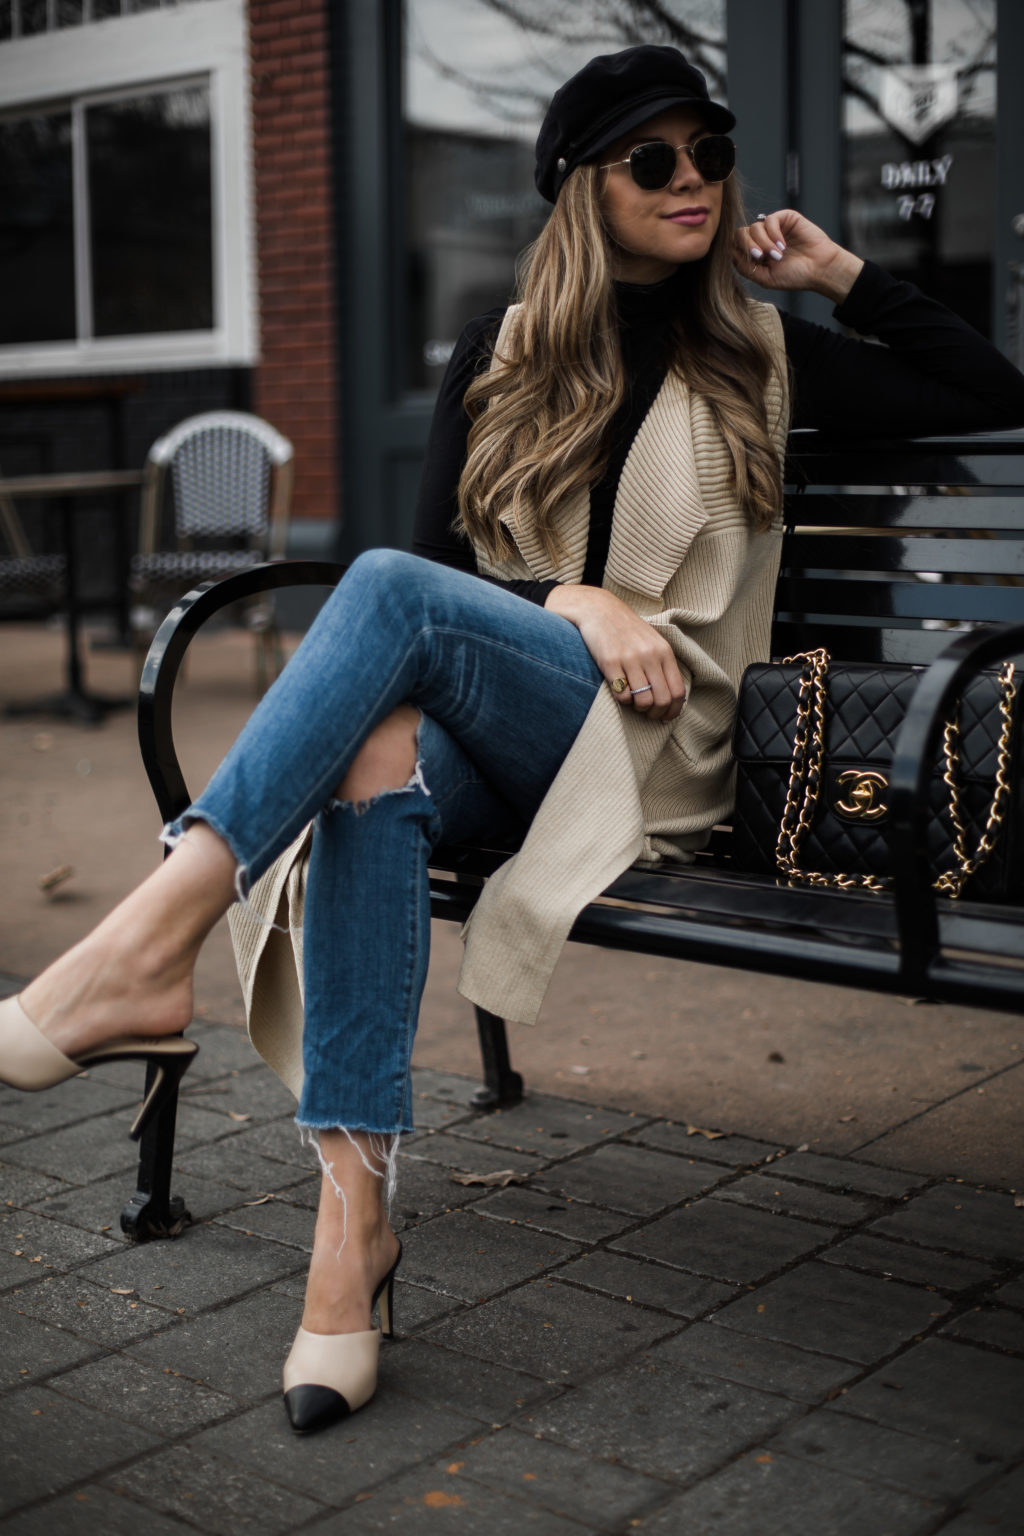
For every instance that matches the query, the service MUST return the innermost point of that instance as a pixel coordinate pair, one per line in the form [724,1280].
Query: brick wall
[294,384]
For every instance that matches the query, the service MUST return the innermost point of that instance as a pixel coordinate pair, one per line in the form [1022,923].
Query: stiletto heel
[327,1376]
[31,1062]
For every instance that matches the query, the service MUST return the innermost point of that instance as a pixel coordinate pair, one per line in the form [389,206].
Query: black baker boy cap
[612,94]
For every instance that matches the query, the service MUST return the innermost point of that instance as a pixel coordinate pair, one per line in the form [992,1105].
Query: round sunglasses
[652,166]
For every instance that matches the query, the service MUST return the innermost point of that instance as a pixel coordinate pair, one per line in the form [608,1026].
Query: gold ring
[619,685]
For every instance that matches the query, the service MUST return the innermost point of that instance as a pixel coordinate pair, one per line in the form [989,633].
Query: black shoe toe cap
[312,1407]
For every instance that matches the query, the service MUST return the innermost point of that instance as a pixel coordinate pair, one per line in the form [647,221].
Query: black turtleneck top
[934,374]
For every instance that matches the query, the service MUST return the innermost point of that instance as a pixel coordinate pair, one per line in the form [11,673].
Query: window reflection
[37,257]
[478,75]
[919,144]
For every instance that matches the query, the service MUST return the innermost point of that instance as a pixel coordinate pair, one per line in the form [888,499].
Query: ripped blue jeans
[502,686]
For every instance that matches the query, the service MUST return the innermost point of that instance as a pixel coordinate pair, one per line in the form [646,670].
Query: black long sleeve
[933,374]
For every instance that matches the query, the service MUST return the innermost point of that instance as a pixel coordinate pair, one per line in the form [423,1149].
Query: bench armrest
[913,760]
[167,652]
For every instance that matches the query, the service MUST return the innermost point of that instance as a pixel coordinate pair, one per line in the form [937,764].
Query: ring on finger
[647,688]
[618,685]
[759,218]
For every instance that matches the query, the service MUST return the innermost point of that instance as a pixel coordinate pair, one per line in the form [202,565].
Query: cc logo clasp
[861,795]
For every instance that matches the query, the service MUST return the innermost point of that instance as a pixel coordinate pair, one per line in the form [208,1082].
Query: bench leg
[153,1211]
[501,1084]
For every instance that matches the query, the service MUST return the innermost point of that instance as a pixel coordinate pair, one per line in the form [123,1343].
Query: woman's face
[654,232]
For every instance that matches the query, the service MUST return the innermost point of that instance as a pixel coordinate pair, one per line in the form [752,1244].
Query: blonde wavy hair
[541,414]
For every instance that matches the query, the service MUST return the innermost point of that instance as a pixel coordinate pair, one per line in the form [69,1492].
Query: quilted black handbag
[814,747]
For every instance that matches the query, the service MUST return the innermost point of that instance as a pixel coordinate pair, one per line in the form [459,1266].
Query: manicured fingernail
[781,244]
[775,255]
[755,254]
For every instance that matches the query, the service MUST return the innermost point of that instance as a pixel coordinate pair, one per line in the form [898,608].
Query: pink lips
[691,217]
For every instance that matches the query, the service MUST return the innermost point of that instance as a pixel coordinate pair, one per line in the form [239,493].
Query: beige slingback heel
[31,1062]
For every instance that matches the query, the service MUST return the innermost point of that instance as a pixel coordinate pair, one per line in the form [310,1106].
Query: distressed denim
[502,686]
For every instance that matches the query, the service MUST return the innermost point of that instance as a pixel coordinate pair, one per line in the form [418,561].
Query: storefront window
[477,77]
[919,144]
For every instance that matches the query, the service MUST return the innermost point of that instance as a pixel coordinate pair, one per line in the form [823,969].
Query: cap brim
[717,117]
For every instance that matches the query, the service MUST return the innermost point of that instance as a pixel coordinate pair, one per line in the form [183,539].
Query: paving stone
[549,1126]
[34,1349]
[469,1257]
[427,1083]
[196,1125]
[632,1179]
[769,1192]
[835,1311]
[391,1433]
[100,1145]
[954,1216]
[98,1206]
[882,1455]
[761,1493]
[656,1418]
[276,1220]
[429,1499]
[880,1256]
[437,1114]
[481,1388]
[143,1394]
[223,1048]
[80,1098]
[206,1266]
[214,1493]
[552,1331]
[725,1241]
[1002,1502]
[238,1164]
[766,1364]
[24,1186]
[87,1310]
[645,1284]
[548,1213]
[238,1349]
[89,1511]
[844,1174]
[734,1151]
[48,1442]
[280,1141]
[31,1244]
[1011,1295]
[425,1189]
[979,1525]
[467,1156]
[990,1325]
[258,1095]
[947,1391]
[595,1493]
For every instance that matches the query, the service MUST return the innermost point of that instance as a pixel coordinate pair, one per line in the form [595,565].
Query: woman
[608,456]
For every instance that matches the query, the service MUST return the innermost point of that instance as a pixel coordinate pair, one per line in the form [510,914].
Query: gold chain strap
[807,770]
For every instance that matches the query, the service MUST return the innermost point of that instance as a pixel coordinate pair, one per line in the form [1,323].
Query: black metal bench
[889,544]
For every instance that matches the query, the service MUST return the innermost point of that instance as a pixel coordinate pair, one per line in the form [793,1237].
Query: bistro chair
[230,488]
[31,585]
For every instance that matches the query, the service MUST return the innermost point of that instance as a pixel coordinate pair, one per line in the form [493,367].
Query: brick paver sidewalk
[652,1332]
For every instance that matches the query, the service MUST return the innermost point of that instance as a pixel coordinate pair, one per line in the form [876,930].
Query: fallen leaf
[455,1466]
[845,1119]
[1018,1201]
[234,1115]
[122,1290]
[435,1499]
[698,1130]
[763,1460]
[580,1071]
[56,877]
[499,1180]
[261,1201]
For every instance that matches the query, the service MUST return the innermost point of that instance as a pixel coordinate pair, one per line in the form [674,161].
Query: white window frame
[207,41]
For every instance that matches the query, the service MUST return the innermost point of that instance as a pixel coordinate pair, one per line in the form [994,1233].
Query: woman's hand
[786,251]
[624,646]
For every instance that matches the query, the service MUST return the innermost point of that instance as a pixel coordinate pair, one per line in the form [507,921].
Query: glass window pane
[477,77]
[6,20]
[37,261]
[919,97]
[150,212]
[101,8]
[33,17]
[69,13]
